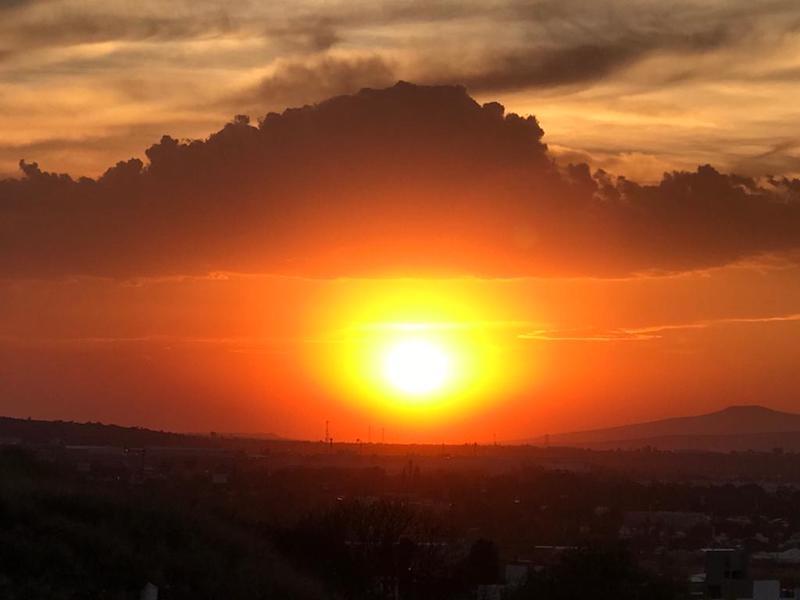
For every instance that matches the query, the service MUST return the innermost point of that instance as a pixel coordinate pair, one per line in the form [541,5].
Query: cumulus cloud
[108,63]
[408,180]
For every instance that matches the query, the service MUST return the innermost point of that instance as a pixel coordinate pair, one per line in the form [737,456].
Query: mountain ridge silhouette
[736,427]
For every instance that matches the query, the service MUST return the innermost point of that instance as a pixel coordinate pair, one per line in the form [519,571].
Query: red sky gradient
[597,218]
[254,353]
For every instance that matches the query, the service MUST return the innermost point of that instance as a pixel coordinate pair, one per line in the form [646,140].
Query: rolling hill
[33,431]
[734,428]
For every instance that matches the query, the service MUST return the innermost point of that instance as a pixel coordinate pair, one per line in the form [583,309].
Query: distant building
[766,589]
[489,592]
[674,520]
[787,557]
[727,574]
[516,574]
[570,465]
[726,578]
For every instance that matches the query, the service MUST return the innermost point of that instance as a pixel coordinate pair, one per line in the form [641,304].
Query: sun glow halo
[419,351]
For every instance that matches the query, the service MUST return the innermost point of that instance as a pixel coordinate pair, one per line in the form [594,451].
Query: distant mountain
[70,433]
[734,428]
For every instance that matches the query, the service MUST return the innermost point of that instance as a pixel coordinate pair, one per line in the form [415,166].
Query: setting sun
[417,366]
[418,353]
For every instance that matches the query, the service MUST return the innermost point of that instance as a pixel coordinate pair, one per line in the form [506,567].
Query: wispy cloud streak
[652,332]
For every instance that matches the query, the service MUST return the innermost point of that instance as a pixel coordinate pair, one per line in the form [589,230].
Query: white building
[149,592]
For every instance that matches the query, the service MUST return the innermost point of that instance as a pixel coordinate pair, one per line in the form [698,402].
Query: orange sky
[567,250]
[245,353]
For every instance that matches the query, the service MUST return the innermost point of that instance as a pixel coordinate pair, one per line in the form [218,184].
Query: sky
[591,208]
[637,86]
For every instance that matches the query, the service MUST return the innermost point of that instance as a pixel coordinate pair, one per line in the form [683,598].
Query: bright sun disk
[416,367]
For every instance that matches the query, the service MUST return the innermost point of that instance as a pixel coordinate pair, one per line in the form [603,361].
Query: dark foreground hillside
[304,533]
[33,431]
[65,538]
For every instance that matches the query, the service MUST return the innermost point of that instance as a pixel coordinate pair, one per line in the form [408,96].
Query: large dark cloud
[404,181]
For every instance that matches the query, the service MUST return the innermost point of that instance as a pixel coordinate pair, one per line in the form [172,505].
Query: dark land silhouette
[734,428]
[100,511]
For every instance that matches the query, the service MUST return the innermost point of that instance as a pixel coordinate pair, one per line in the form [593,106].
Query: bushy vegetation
[597,573]
[63,538]
[285,534]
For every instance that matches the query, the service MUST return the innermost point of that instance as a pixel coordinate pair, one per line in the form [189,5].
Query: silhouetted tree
[483,563]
